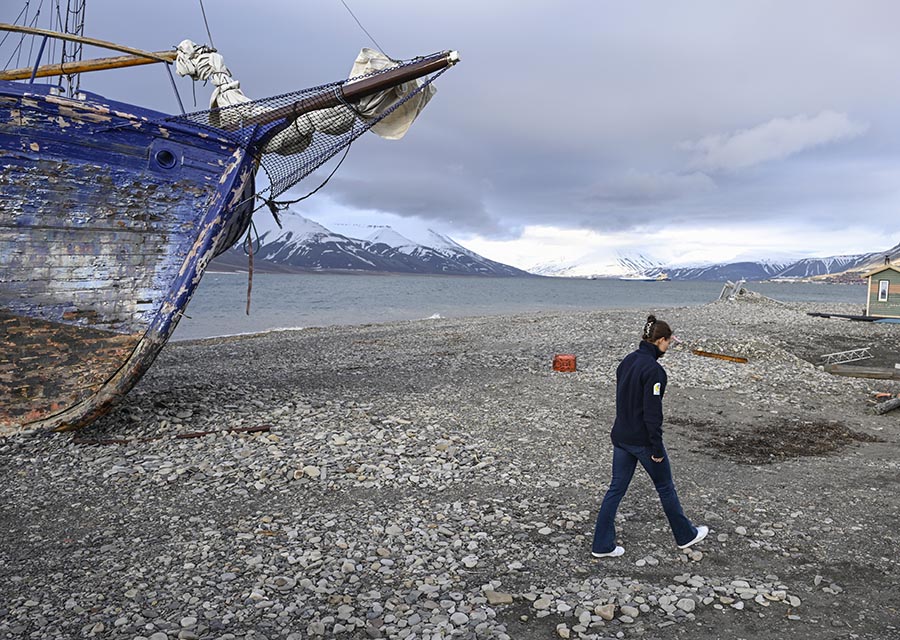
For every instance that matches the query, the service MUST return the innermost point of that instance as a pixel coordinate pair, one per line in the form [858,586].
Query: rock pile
[437,479]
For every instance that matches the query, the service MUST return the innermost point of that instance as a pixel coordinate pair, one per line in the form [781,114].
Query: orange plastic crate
[564,362]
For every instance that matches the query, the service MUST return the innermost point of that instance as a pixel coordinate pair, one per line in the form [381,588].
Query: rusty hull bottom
[47,369]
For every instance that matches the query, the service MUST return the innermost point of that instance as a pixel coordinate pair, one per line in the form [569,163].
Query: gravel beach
[438,479]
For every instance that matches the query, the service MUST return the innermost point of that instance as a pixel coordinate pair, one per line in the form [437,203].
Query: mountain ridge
[840,268]
[303,245]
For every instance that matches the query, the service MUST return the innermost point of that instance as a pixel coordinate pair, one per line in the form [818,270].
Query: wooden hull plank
[107,222]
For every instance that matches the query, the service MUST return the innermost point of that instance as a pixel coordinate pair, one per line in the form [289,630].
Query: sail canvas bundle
[300,142]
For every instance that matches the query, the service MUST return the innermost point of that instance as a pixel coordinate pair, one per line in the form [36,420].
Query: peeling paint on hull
[107,221]
[49,366]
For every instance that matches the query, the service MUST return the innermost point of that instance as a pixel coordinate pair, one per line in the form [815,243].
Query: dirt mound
[775,442]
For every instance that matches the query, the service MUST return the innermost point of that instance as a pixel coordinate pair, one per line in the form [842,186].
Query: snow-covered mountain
[436,253]
[304,245]
[599,266]
[809,267]
[389,237]
[844,267]
[730,271]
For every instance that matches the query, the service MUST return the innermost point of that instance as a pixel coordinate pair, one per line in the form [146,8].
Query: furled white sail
[201,62]
[395,125]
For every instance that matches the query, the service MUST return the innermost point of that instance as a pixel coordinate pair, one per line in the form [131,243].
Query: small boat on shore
[111,212]
[662,277]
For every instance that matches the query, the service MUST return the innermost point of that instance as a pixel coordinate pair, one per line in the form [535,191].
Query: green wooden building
[883,292]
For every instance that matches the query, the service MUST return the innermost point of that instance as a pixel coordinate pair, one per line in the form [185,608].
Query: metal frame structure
[851,355]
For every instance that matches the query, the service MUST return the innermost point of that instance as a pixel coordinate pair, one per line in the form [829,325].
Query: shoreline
[829,279]
[422,478]
[234,317]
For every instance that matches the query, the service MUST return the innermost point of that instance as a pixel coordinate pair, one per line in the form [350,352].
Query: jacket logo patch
[657,388]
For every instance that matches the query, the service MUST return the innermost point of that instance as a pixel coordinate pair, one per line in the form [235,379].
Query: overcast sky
[690,131]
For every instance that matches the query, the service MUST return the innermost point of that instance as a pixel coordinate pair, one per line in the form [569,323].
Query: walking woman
[637,437]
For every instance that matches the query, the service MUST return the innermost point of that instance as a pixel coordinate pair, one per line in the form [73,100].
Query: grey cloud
[635,188]
[424,197]
[576,114]
[773,140]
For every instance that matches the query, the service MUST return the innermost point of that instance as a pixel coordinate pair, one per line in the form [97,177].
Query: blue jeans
[625,459]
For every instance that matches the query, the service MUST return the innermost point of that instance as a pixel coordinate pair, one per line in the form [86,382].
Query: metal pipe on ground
[711,354]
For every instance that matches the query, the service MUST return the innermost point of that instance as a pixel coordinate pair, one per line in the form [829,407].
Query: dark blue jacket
[640,385]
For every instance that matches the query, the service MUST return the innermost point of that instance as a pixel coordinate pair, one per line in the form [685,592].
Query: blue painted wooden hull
[108,218]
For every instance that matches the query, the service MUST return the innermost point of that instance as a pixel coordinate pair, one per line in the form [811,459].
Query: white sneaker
[702,530]
[609,554]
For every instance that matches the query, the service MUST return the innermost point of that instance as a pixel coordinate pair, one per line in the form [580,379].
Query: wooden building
[883,299]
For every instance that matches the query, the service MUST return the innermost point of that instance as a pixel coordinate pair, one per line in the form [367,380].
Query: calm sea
[315,300]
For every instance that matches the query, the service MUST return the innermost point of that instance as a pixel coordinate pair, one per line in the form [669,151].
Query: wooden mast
[91,41]
[96,64]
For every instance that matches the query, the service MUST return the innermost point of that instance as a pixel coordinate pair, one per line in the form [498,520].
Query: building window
[883,286]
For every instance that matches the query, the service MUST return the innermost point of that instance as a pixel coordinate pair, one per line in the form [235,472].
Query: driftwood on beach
[886,406]
[719,356]
[853,371]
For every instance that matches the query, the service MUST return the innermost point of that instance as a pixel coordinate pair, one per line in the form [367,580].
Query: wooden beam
[720,356]
[853,371]
[85,66]
[356,90]
[91,41]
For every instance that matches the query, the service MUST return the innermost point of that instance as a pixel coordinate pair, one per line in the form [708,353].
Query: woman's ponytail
[655,329]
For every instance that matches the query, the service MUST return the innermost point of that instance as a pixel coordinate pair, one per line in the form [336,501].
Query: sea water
[291,301]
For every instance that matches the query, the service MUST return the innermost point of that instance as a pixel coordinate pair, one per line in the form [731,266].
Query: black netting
[311,125]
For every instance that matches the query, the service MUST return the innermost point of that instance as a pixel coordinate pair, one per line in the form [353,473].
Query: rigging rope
[279,205]
[17,51]
[248,243]
[203,11]
[34,23]
[58,27]
[375,42]
[275,206]
[24,12]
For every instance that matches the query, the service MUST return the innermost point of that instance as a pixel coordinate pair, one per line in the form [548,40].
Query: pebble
[686,604]
[459,619]
[312,471]
[415,484]
[606,611]
[496,597]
